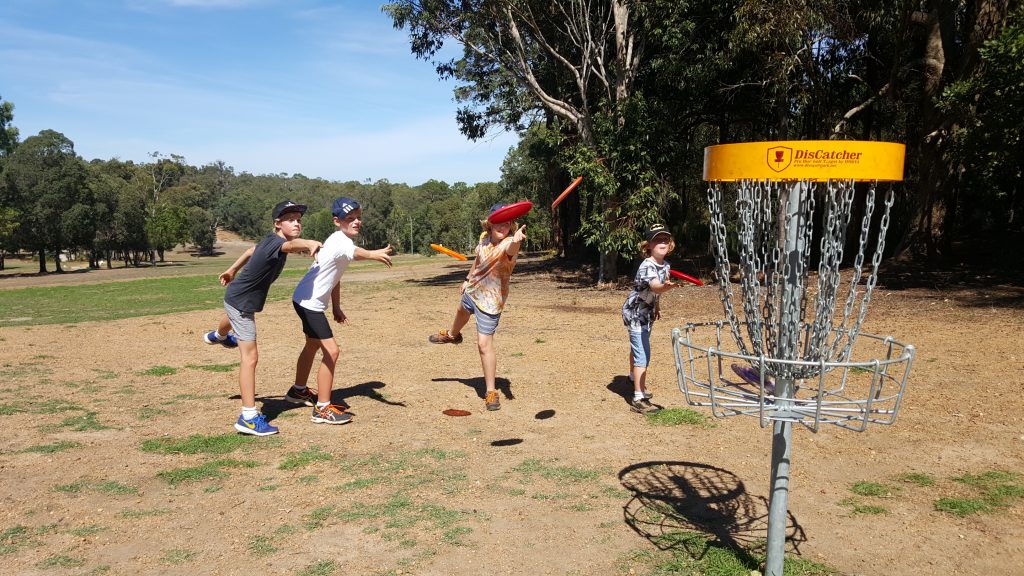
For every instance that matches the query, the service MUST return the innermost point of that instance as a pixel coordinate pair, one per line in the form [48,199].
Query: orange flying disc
[510,212]
[455,412]
[566,192]
[451,253]
[686,277]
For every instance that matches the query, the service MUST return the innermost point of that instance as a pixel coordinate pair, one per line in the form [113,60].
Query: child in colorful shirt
[642,308]
[484,293]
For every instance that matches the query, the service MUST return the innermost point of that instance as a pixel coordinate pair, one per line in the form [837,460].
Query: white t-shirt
[314,290]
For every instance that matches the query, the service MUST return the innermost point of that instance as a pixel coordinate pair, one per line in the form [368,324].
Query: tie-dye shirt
[488,284]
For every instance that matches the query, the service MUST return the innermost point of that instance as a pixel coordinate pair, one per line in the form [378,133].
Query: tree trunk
[42,261]
[609,267]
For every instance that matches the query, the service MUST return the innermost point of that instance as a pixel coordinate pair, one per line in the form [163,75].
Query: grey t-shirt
[248,291]
[638,310]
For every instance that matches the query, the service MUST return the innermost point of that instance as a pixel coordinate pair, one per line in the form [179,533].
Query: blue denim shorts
[486,324]
[640,344]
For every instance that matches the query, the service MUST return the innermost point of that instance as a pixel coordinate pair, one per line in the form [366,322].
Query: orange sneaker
[443,337]
[491,401]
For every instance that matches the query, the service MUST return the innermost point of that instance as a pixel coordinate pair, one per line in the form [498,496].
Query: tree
[8,133]
[45,179]
[574,61]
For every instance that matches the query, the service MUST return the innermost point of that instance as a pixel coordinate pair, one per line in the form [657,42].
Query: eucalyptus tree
[572,62]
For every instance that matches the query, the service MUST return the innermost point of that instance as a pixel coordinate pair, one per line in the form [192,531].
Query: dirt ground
[563,480]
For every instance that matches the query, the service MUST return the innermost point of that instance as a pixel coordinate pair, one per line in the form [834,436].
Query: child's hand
[339,316]
[520,234]
[383,255]
[314,247]
[226,277]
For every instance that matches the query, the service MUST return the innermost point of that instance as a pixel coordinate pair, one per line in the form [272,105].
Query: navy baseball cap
[342,207]
[497,207]
[655,231]
[286,207]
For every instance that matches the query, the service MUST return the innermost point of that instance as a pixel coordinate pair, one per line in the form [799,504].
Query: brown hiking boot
[643,406]
[443,337]
[491,401]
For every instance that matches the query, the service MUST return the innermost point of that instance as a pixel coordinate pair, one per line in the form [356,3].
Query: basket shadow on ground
[502,384]
[274,406]
[673,499]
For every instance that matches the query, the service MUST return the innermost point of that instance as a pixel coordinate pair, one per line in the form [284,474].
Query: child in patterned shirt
[642,308]
[484,293]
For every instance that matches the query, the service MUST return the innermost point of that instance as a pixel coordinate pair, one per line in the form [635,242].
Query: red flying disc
[510,212]
[455,412]
[686,277]
[566,192]
[447,251]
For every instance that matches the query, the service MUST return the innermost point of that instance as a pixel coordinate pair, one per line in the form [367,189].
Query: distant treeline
[53,202]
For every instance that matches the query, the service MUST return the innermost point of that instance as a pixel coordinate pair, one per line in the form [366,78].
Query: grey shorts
[486,324]
[243,323]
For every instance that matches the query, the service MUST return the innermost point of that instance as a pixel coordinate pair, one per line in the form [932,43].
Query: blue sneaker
[229,341]
[257,426]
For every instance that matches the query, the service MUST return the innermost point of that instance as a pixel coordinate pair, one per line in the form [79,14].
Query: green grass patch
[82,423]
[186,287]
[61,561]
[84,531]
[916,478]
[262,545]
[321,568]
[678,416]
[857,507]
[550,471]
[230,367]
[692,554]
[178,556]
[110,487]
[205,471]
[148,412]
[865,488]
[360,483]
[305,458]
[160,371]
[455,536]
[962,506]
[144,512]
[10,409]
[199,444]
[59,446]
[995,489]
[318,517]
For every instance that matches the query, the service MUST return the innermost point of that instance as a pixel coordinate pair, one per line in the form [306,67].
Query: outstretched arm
[228,275]
[382,255]
[517,240]
[301,245]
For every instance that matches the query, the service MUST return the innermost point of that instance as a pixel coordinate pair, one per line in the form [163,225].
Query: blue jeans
[640,344]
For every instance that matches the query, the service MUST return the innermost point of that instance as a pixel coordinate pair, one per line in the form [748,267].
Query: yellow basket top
[816,160]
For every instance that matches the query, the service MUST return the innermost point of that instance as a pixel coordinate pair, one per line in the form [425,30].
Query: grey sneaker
[304,396]
[643,406]
[648,394]
[330,414]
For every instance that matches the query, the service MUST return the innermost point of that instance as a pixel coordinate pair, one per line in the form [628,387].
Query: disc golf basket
[790,349]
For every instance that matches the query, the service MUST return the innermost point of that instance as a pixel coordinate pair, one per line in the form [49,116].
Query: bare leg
[305,362]
[461,317]
[488,360]
[247,372]
[639,378]
[224,326]
[325,375]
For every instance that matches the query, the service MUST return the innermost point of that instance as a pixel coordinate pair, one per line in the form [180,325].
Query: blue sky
[319,88]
